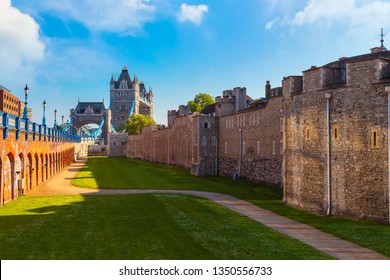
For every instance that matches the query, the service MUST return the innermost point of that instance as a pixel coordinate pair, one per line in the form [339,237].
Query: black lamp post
[55,118]
[25,111]
[44,113]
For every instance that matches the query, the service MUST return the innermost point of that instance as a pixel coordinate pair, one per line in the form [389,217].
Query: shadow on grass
[122,173]
[137,227]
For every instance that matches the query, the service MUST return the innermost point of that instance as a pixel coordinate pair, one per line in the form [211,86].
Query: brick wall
[25,164]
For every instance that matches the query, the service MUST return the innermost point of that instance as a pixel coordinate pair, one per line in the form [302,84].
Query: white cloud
[121,16]
[20,45]
[359,21]
[192,13]
[317,10]
[270,24]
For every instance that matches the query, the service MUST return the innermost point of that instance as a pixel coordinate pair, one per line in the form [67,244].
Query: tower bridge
[91,113]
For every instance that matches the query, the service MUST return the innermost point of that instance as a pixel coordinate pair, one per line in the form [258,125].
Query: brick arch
[46,167]
[51,164]
[36,169]
[21,174]
[29,173]
[42,167]
[58,161]
[10,178]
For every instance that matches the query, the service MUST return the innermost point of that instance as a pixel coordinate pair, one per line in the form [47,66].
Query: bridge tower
[128,96]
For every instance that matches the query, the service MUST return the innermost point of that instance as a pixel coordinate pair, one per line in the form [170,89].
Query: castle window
[307,134]
[281,147]
[258,147]
[374,138]
[336,133]
[214,141]
[226,148]
[205,124]
[204,142]
[273,147]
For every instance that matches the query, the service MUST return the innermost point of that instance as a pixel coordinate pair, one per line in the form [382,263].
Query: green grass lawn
[137,227]
[101,172]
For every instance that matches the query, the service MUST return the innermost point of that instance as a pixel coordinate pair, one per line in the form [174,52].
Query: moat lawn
[102,172]
[137,227]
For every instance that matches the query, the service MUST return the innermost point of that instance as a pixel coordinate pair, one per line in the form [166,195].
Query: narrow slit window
[374,139]
[307,134]
[336,133]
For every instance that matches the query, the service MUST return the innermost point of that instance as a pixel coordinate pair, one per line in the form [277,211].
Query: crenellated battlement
[173,114]
[362,70]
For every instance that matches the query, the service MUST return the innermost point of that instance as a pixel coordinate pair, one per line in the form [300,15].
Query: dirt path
[60,184]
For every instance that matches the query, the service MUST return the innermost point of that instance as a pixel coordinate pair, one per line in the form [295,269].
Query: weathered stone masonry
[190,143]
[323,136]
[226,142]
[253,137]
[358,114]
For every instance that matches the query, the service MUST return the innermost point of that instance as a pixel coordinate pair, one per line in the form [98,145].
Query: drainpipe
[328,97]
[217,147]
[240,156]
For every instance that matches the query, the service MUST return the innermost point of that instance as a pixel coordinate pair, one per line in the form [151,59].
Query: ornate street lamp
[25,111]
[55,118]
[44,113]
[62,127]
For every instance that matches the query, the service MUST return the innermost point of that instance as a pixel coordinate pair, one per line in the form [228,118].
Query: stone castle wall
[254,139]
[188,143]
[358,167]
[284,140]
[117,145]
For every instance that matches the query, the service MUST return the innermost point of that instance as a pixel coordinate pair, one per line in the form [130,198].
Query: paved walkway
[60,184]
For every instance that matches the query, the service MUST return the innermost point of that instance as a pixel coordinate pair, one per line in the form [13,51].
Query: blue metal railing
[10,123]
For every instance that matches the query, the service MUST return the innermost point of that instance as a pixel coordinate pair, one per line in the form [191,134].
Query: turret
[268,90]
[112,82]
[240,94]
[135,78]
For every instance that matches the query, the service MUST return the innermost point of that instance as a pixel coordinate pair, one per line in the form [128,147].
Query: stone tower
[128,97]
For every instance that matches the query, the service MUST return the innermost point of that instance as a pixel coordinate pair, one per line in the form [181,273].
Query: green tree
[135,123]
[200,102]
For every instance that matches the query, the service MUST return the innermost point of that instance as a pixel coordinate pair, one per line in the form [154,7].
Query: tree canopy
[200,102]
[135,123]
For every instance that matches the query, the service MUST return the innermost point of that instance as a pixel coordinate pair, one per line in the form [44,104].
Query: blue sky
[67,50]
